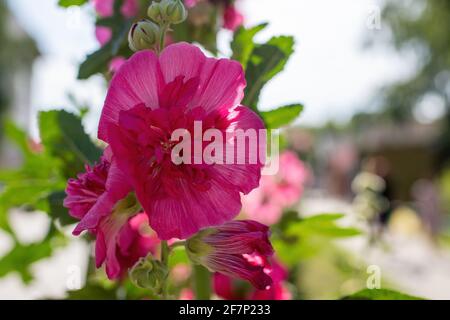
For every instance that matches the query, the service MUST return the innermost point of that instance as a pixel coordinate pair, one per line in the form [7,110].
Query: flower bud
[149,273]
[238,249]
[143,35]
[154,12]
[173,11]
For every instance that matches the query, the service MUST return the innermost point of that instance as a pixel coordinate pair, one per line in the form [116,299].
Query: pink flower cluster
[277,192]
[105,9]
[135,185]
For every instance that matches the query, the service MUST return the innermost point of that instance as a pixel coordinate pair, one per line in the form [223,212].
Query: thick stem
[162,39]
[202,285]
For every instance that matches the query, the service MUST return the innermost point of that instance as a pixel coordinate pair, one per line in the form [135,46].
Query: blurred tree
[421,26]
[17,53]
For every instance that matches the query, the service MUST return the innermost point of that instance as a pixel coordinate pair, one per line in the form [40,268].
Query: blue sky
[330,72]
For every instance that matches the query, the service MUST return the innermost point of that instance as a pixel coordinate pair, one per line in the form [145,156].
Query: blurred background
[374,77]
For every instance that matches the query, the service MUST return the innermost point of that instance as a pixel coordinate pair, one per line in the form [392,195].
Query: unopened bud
[154,12]
[149,273]
[143,35]
[173,11]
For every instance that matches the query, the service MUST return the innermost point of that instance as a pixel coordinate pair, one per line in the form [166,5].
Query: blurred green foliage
[380,294]
[39,183]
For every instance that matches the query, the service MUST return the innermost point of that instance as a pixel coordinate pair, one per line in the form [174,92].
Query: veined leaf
[243,44]
[282,116]
[64,138]
[264,63]
[98,61]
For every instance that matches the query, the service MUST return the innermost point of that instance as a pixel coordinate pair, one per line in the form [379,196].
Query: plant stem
[165,251]
[177,244]
[162,39]
[202,286]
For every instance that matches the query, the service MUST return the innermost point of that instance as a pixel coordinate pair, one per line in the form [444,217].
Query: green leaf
[282,116]
[63,137]
[302,239]
[21,257]
[93,292]
[243,44]
[380,294]
[323,225]
[68,3]
[28,185]
[97,62]
[18,136]
[265,62]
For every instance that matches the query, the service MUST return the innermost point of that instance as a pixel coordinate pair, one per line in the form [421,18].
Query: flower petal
[180,217]
[137,81]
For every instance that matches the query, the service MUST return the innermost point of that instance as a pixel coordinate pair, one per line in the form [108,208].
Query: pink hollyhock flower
[103,35]
[266,203]
[149,98]
[238,249]
[99,199]
[232,18]
[105,8]
[232,289]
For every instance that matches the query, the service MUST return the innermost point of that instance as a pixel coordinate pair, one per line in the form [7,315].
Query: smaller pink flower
[120,243]
[277,192]
[103,35]
[130,8]
[232,18]
[105,8]
[98,197]
[238,249]
[231,289]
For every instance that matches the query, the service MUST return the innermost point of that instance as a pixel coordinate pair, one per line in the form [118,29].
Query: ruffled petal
[136,82]
[116,189]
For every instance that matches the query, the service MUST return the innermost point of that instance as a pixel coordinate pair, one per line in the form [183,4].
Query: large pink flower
[98,197]
[239,249]
[235,289]
[277,192]
[149,98]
